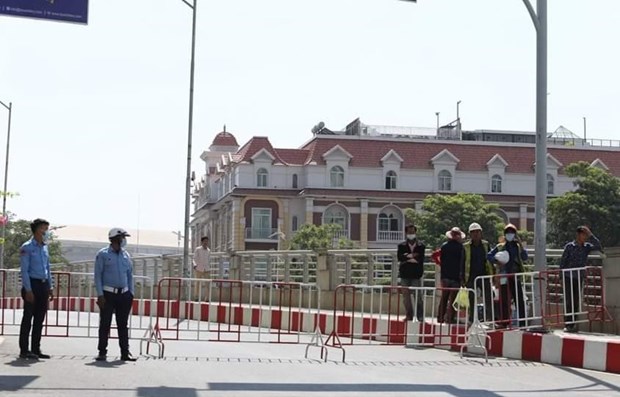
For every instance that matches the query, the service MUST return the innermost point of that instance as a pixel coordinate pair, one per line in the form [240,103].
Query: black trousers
[572,297]
[34,316]
[121,305]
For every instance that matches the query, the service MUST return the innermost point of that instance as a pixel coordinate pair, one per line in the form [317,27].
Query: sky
[99,132]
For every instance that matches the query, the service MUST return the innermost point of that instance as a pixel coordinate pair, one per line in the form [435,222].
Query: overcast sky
[100,118]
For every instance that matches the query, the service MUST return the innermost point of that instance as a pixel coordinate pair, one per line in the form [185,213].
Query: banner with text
[56,10]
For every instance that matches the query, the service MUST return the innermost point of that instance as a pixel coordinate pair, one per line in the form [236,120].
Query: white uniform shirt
[201,259]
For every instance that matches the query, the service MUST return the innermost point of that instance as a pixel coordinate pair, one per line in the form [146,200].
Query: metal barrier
[72,312]
[234,311]
[374,314]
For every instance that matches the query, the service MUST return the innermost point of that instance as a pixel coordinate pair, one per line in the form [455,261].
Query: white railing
[391,236]
[256,233]
[338,234]
[361,266]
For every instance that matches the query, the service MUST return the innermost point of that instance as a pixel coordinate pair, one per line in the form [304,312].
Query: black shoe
[101,357]
[128,357]
[42,356]
[28,355]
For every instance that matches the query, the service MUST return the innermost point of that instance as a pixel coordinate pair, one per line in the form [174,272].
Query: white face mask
[510,236]
[124,243]
[411,237]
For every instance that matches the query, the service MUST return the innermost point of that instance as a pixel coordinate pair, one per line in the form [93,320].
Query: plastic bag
[462,299]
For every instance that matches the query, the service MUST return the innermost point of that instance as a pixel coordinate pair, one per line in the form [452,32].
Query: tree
[442,212]
[319,238]
[595,203]
[18,232]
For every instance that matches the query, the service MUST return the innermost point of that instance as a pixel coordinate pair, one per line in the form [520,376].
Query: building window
[390,224]
[294,181]
[261,177]
[337,177]
[390,180]
[261,223]
[295,224]
[496,184]
[338,215]
[550,185]
[445,181]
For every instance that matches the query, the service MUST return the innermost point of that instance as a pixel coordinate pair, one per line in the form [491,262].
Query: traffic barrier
[234,311]
[366,314]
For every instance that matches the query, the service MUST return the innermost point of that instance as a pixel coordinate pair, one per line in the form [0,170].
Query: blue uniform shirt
[113,269]
[35,263]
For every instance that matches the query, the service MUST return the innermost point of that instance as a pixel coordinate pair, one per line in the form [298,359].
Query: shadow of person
[106,364]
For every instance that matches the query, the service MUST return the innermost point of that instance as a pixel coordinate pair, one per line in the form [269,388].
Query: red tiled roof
[225,138]
[293,156]
[473,157]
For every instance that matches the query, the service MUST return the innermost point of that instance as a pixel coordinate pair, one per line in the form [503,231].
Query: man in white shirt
[201,264]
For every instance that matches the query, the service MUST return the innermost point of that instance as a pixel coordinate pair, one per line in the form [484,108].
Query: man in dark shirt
[410,255]
[575,256]
[451,273]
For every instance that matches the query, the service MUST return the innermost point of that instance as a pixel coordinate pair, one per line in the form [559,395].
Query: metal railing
[257,233]
[359,266]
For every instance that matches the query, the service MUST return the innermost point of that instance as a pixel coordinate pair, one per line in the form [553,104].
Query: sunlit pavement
[237,369]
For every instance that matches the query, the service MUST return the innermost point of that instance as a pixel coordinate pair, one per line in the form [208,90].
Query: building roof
[225,138]
[473,156]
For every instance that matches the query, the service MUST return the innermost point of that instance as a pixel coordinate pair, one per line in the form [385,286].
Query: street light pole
[188,175]
[9,107]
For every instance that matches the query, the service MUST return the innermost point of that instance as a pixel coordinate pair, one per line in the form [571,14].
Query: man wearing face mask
[37,288]
[411,258]
[114,284]
[511,287]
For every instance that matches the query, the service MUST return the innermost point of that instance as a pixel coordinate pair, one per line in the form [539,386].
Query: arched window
[550,185]
[445,181]
[390,224]
[338,215]
[496,184]
[294,181]
[295,224]
[390,180]
[337,176]
[261,177]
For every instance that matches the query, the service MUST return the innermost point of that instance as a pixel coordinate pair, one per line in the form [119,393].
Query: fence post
[370,272]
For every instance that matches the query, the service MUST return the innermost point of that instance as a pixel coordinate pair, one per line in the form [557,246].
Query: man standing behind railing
[451,260]
[411,271]
[37,288]
[114,283]
[477,265]
[575,256]
[511,287]
[201,263]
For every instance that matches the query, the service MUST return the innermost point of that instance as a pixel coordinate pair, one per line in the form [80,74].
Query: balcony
[392,236]
[341,234]
[257,233]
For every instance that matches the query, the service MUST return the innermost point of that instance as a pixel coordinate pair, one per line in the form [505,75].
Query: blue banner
[56,10]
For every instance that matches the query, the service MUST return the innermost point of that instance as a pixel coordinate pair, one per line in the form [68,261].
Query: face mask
[411,237]
[123,243]
[47,235]
[510,236]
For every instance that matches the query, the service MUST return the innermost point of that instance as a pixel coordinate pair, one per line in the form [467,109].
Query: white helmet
[502,257]
[118,231]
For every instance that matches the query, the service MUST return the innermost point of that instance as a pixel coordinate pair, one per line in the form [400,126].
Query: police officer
[37,288]
[114,283]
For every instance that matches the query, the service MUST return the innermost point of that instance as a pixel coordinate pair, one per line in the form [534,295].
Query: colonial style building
[254,197]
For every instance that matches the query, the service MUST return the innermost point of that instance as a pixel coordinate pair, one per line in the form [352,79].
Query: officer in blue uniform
[37,288]
[114,284]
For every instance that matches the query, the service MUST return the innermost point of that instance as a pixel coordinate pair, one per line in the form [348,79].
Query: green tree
[442,212]
[595,203]
[18,232]
[319,238]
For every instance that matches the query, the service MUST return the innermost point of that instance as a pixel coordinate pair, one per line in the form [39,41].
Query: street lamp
[458,114]
[188,175]
[8,107]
